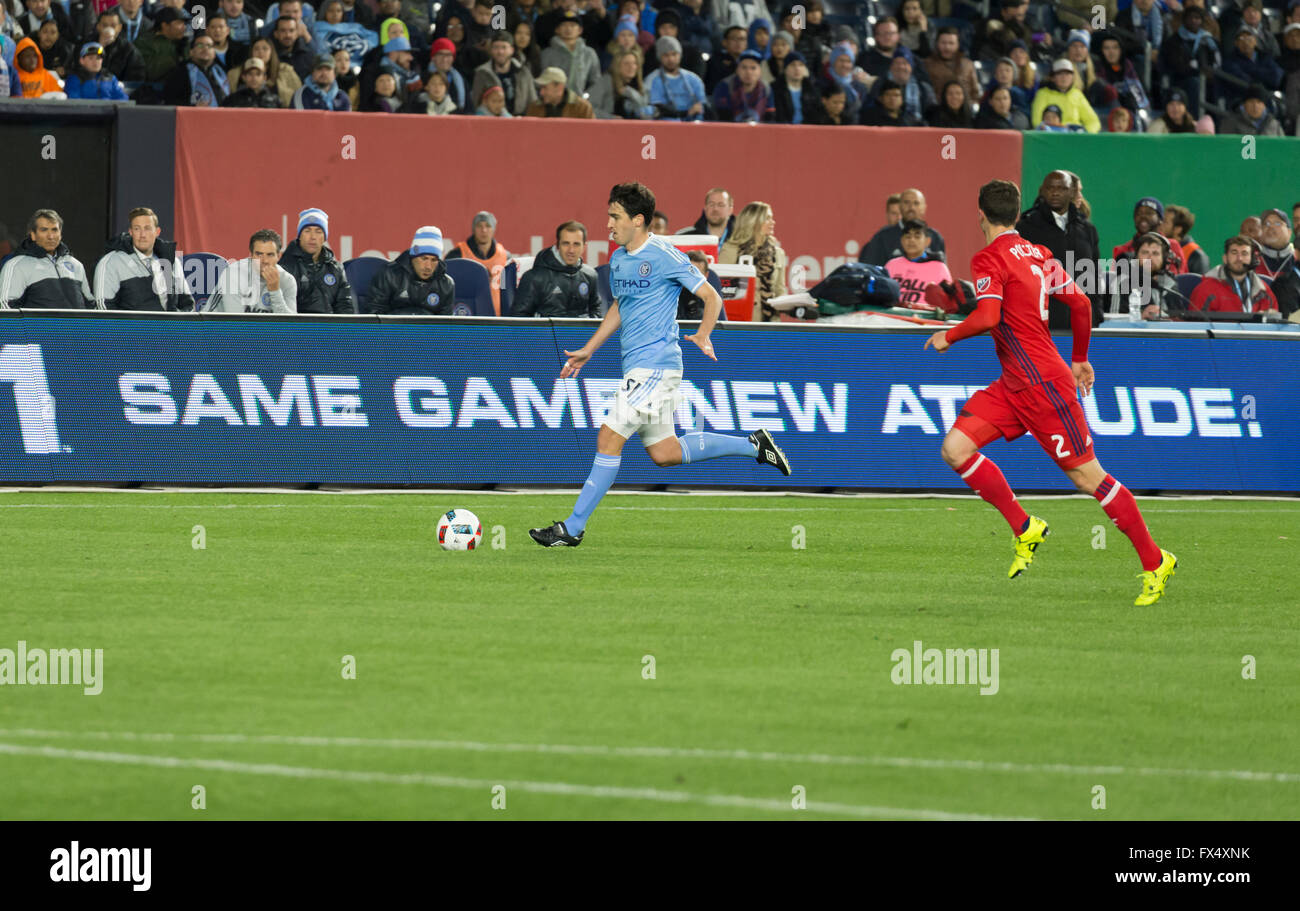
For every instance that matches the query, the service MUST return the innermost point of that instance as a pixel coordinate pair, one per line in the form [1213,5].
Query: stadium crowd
[1159,272]
[1161,66]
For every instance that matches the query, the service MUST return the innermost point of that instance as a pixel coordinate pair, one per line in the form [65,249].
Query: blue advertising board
[217,399]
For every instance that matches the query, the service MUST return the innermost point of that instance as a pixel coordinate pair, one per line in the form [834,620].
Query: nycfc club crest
[981,285]
[329,278]
[461,309]
[266,299]
[68,266]
[582,288]
[644,270]
[433,299]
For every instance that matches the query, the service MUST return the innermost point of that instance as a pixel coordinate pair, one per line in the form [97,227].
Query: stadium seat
[1187,283]
[602,287]
[509,284]
[473,286]
[202,271]
[361,272]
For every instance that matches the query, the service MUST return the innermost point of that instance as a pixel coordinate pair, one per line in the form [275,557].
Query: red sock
[1123,510]
[985,478]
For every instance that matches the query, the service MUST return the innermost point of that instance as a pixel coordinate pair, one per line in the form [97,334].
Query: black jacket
[299,57]
[32,278]
[397,291]
[887,243]
[122,282]
[877,116]
[322,286]
[701,226]
[1077,247]
[123,61]
[245,97]
[809,101]
[553,288]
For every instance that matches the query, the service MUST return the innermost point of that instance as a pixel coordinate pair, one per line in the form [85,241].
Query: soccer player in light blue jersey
[646,276]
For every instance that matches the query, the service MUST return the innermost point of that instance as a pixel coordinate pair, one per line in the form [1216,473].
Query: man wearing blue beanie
[322,284]
[416,283]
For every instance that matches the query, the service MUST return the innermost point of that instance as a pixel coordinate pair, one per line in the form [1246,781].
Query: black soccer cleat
[768,452]
[555,536]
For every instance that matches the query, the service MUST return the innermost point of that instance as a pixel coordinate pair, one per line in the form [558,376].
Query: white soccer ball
[459,529]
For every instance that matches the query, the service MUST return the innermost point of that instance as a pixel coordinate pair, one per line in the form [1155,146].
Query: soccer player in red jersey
[1037,391]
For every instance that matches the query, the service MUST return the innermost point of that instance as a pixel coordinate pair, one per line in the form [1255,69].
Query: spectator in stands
[348,81]
[723,63]
[322,92]
[135,24]
[416,283]
[1056,222]
[1082,13]
[526,53]
[1052,123]
[1117,77]
[1004,75]
[1234,286]
[755,237]
[917,33]
[322,284]
[56,54]
[282,79]
[560,284]
[948,62]
[1175,118]
[88,79]
[659,223]
[834,106]
[140,270]
[290,47]
[1119,120]
[120,56]
[229,54]
[1190,55]
[1295,217]
[166,47]
[876,60]
[816,38]
[442,59]
[435,100]
[1066,95]
[481,247]
[1144,18]
[893,209]
[385,96]
[493,103]
[257,283]
[568,52]
[1251,117]
[1277,253]
[886,243]
[668,24]
[916,269]
[995,37]
[241,24]
[743,97]
[1157,297]
[1249,64]
[954,111]
[200,83]
[43,273]
[674,93]
[794,95]
[1253,18]
[998,113]
[782,48]
[1026,70]
[1177,225]
[555,99]
[918,96]
[718,217]
[253,91]
[760,37]
[504,71]
[473,52]
[1289,60]
[620,94]
[691,306]
[1148,213]
[855,81]
[697,26]
[1211,25]
[888,111]
[38,12]
[1252,226]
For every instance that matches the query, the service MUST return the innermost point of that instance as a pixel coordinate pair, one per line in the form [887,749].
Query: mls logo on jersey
[432,299]
[644,270]
[582,288]
[329,278]
[981,284]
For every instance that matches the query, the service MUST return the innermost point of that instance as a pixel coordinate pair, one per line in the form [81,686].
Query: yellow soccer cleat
[1026,544]
[1153,583]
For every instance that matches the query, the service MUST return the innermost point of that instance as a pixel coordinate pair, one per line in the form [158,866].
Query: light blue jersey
[647,285]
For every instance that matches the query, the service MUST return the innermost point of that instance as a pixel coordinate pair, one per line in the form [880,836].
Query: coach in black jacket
[322,284]
[1056,223]
[416,283]
[559,284]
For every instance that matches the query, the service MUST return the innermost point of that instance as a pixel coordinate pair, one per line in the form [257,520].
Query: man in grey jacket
[43,272]
[503,70]
[570,53]
[257,284]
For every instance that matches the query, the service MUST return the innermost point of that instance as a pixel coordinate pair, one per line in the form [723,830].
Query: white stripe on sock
[970,471]
[1110,496]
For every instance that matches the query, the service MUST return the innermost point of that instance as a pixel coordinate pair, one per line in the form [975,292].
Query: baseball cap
[795,57]
[397,44]
[256,63]
[1278,212]
[552,74]
[92,47]
[752,55]
[570,16]
[1055,108]
[323,60]
[1062,66]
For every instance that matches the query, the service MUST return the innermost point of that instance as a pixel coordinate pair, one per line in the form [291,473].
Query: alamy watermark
[56,666]
[954,666]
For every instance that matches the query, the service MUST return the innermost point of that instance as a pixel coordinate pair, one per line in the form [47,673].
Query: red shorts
[1049,411]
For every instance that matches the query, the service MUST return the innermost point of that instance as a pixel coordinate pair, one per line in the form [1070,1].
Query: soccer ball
[459,529]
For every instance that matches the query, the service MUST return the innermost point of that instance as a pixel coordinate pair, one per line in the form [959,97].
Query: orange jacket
[495,265]
[37,82]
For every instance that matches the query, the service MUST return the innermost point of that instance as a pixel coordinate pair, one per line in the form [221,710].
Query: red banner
[382,176]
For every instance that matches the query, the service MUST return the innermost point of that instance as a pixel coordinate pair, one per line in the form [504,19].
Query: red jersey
[1013,279]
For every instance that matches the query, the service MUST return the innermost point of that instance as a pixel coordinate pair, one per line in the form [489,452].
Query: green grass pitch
[525,669]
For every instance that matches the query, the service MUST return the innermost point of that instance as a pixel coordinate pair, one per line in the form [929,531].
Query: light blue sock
[700,447]
[604,469]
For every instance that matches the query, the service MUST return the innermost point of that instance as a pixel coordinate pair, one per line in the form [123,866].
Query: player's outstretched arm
[712,307]
[576,359]
[985,316]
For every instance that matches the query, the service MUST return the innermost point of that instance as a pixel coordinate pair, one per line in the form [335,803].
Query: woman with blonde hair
[754,236]
[619,93]
[279,77]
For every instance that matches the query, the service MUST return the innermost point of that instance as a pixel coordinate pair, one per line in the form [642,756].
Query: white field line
[485,784]
[902,762]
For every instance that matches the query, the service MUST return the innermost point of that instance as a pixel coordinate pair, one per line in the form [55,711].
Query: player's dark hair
[571,226]
[636,199]
[1000,202]
[696,256]
[263,236]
